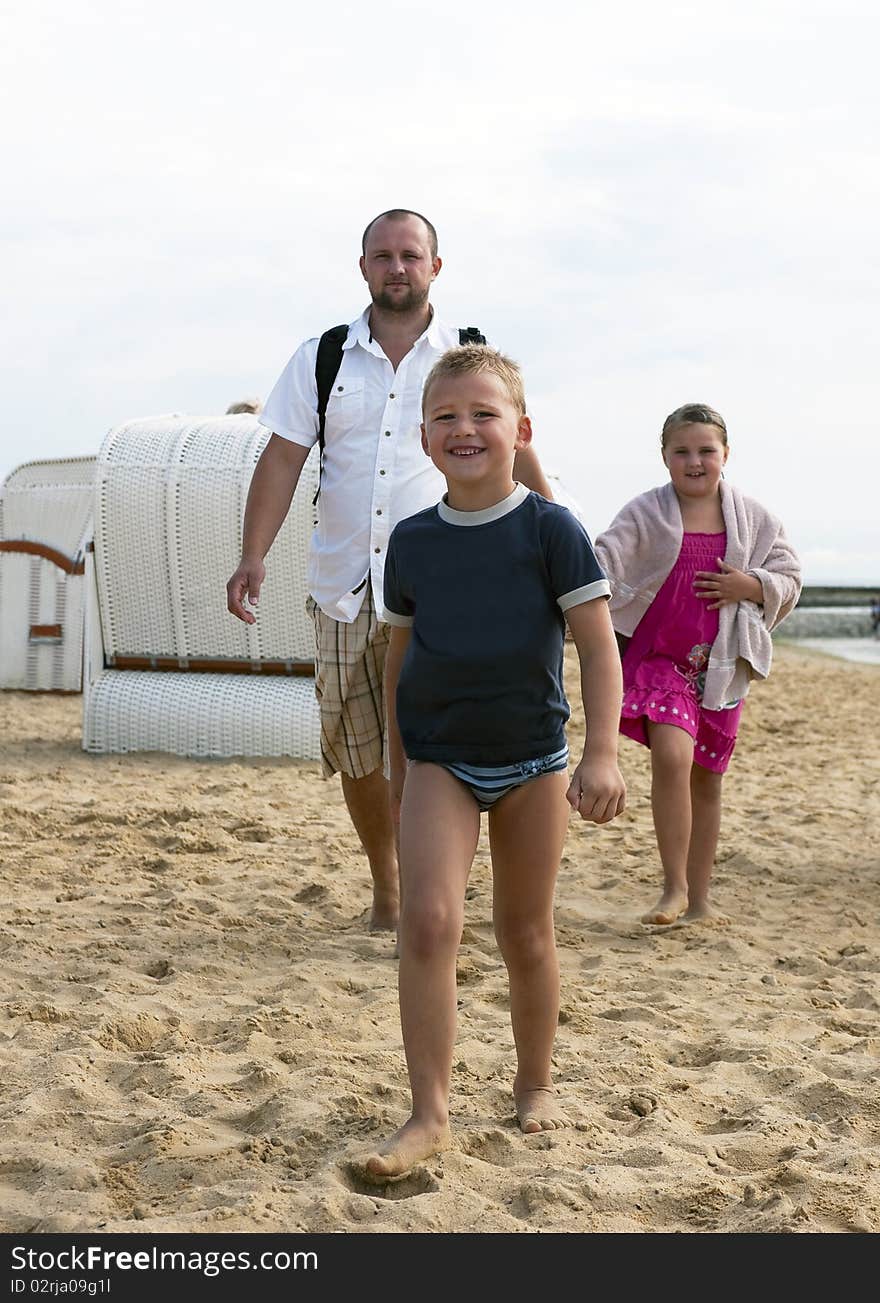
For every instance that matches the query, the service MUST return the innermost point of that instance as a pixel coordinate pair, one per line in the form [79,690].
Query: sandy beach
[198,1033]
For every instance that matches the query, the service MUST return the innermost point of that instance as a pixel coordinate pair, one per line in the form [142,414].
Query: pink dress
[664,666]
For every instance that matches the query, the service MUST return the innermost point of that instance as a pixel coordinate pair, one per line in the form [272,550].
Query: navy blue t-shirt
[484,593]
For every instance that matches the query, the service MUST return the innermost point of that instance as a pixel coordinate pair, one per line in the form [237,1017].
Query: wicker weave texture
[202,715]
[170,495]
[36,594]
[169,508]
[48,503]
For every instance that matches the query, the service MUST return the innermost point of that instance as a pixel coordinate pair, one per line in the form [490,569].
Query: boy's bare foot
[668,908]
[539,1110]
[414,1142]
[385,911]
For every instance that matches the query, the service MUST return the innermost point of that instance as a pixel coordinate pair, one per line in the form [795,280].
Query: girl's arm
[393,661]
[597,790]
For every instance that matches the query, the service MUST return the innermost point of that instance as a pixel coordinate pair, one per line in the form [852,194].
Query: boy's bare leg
[526,833]
[705,827]
[672,757]
[368,806]
[439,830]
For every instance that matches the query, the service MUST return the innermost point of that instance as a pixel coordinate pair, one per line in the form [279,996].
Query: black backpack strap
[329,360]
[327,364]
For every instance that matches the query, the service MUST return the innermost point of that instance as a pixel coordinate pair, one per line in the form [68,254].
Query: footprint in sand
[417,1181]
[490,1146]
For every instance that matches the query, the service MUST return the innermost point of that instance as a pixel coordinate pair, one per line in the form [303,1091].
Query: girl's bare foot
[539,1110]
[668,908]
[414,1142]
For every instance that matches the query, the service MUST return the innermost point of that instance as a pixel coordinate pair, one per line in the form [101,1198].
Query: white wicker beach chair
[167,668]
[45,523]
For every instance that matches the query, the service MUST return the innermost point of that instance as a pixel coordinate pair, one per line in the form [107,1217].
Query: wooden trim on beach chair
[47,692]
[202,665]
[65,563]
[45,633]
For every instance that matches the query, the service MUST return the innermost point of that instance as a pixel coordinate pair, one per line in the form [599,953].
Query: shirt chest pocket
[345,407]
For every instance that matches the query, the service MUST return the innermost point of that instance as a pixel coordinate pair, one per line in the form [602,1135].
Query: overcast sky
[645,204]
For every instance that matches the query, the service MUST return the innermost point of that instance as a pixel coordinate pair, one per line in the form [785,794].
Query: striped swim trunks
[488,785]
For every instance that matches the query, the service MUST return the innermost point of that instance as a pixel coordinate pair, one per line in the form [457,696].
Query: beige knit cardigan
[640,547]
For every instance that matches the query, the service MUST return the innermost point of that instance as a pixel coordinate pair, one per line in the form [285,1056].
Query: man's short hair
[400,215]
[472,360]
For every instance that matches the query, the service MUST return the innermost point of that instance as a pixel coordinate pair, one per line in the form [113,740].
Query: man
[375,473]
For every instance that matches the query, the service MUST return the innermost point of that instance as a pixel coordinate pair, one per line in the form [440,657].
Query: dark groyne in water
[819,595]
[826,611]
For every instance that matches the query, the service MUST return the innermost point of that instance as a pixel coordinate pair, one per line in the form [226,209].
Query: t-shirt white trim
[487,514]
[399,621]
[598,588]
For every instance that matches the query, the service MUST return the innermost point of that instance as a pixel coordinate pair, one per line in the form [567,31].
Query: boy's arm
[597,790]
[273,484]
[397,646]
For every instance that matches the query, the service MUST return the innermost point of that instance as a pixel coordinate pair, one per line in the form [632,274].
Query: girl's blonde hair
[474,359]
[693,414]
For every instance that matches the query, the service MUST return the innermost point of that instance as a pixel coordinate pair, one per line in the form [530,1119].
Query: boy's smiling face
[472,431]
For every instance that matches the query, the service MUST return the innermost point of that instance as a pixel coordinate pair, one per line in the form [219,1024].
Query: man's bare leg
[367,802]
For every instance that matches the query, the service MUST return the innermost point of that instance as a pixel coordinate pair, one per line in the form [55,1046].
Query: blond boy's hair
[693,414]
[475,359]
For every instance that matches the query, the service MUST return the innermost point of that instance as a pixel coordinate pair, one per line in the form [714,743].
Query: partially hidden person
[374,474]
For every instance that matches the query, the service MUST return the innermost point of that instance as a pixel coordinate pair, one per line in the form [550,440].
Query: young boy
[477,590]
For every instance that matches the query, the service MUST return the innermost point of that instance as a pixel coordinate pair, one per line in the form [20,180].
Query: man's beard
[402,303]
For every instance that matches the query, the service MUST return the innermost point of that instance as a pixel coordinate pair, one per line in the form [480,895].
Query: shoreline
[863,651]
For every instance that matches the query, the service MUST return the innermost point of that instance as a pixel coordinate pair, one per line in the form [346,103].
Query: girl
[700,575]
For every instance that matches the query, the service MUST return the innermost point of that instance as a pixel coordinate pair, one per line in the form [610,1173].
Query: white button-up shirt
[375,472]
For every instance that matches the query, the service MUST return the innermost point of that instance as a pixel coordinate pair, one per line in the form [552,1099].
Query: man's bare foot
[668,908]
[385,911]
[539,1110]
[414,1142]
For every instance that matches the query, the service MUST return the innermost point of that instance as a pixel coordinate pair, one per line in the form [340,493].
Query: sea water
[844,631]
[866,650]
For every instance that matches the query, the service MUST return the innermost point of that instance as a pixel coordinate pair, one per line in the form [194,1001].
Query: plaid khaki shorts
[349,679]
